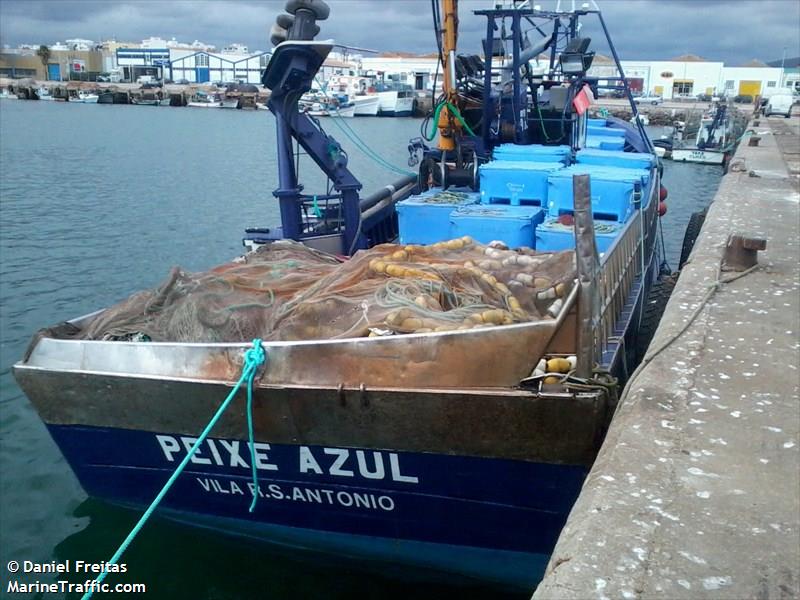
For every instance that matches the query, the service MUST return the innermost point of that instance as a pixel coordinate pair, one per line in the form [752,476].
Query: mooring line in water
[253,358]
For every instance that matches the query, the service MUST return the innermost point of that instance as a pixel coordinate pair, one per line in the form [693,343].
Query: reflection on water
[98,201]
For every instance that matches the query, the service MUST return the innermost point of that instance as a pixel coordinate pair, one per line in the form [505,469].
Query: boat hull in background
[366,106]
[704,157]
[396,104]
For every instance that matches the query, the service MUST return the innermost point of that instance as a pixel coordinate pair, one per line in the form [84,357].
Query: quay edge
[695,491]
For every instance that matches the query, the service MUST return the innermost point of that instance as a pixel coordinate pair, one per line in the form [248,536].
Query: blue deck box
[425,218]
[612,131]
[513,225]
[605,142]
[612,190]
[533,153]
[552,236]
[629,160]
[516,182]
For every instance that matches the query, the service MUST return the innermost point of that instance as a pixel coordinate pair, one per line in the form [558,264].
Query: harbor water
[99,201]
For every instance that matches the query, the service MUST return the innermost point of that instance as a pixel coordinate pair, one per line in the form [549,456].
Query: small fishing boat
[360,91]
[230,103]
[712,142]
[44,93]
[5,94]
[395,99]
[86,98]
[321,104]
[145,101]
[203,99]
[366,105]
[443,355]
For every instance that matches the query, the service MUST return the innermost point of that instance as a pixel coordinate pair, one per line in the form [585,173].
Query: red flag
[583,100]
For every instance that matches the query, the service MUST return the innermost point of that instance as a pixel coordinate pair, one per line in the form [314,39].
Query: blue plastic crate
[425,218]
[533,153]
[611,188]
[605,142]
[610,158]
[513,225]
[610,131]
[552,236]
[516,182]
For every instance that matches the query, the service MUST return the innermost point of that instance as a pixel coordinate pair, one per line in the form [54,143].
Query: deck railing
[621,268]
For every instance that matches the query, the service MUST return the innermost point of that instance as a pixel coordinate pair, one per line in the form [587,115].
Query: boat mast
[449,127]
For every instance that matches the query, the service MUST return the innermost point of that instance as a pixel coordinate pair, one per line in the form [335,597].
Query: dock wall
[695,492]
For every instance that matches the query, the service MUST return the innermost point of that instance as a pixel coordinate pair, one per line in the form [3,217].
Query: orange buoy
[662,208]
[662,193]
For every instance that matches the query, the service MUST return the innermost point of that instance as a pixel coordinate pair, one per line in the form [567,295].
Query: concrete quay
[696,490]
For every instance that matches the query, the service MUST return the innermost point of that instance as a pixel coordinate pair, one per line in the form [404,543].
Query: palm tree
[44,55]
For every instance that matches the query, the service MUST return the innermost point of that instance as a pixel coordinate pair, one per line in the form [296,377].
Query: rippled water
[98,201]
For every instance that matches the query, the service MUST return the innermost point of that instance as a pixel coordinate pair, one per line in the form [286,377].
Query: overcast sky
[734,31]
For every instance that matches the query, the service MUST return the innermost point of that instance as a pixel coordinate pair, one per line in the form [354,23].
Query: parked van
[779,104]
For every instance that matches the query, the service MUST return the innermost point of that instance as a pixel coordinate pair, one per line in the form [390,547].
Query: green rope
[348,131]
[253,358]
[455,112]
[317,211]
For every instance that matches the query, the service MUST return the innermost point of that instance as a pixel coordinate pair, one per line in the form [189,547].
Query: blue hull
[492,519]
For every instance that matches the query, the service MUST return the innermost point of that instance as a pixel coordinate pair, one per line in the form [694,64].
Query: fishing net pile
[287,291]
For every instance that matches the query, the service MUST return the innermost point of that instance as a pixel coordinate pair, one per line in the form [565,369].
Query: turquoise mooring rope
[253,358]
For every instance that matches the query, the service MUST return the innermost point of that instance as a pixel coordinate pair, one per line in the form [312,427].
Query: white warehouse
[203,67]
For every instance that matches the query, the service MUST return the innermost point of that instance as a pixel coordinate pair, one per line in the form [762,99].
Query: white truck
[779,104]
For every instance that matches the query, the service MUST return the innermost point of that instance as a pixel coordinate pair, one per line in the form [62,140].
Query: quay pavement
[696,490]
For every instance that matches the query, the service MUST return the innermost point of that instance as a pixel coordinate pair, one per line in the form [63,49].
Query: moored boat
[366,105]
[395,100]
[44,93]
[145,101]
[203,99]
[85,98]
[436,398]
[714,135]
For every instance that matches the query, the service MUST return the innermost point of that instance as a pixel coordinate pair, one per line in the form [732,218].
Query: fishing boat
[145,100]
[437,398]
[203,99]
[713,139]
[86,98]
[395,99]
[44,93]
[321,104]
[230,102]
[5,94]
[360,91]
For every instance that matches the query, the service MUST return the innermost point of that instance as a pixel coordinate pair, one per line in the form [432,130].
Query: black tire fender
[652,311]
[693,229]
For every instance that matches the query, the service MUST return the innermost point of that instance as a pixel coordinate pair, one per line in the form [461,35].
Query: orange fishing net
[287,291]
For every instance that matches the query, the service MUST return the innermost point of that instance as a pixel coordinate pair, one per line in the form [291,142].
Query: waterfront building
[63,65]
[751,79]
[790,76]
[235,49]
[210,67]
[417,70]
